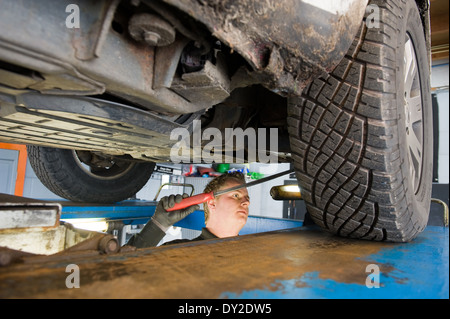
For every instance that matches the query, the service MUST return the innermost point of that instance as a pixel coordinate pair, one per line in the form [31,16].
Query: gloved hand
[164,219]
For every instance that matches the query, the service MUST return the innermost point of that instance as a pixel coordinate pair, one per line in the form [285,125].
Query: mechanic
[225,215]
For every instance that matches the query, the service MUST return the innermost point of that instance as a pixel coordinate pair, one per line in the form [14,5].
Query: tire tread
[343,132]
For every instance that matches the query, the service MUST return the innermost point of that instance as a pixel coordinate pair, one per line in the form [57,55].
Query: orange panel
[21,165]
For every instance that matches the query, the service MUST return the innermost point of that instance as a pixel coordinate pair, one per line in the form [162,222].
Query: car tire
[63,173]
[361,137]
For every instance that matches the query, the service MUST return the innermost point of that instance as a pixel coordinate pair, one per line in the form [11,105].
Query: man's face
[230,209]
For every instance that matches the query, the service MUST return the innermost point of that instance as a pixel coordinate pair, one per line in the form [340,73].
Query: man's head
[230,210]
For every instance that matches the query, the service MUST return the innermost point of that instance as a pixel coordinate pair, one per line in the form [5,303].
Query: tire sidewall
[99,188]
[418,203]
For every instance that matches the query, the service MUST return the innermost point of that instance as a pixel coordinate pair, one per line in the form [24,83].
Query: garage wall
[8,170]
[440,86]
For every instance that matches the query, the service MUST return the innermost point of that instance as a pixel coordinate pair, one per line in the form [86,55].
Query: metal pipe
[435,200]
[286,192]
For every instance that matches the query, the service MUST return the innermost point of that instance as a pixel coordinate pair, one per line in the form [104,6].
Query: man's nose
[245,201]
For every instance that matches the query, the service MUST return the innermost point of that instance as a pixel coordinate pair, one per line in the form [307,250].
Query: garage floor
[297,263]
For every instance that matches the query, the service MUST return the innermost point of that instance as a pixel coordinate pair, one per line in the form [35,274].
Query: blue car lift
[139,212]
[272,258]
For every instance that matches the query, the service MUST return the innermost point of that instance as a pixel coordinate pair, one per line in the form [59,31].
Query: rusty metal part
[221,267]
[21,212]
[284,41]
[151,29]
[108,245]
[190,31]
[89,42]
[166,62]
[9,256]
[63,57]
[286,192]
[101,242]
[208,85]
[28,226]
[31,227]
[97,243]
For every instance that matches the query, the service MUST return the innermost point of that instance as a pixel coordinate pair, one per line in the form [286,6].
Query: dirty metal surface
[287,42]
[298,263]
[86,124]
[89,60]
[20,212]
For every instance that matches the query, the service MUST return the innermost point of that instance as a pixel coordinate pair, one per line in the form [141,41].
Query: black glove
[156,228]
[164,219]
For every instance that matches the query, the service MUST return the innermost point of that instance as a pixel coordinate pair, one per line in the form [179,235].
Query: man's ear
[211,204]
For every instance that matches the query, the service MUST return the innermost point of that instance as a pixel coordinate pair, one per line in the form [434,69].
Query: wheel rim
[413,114]
[108,170]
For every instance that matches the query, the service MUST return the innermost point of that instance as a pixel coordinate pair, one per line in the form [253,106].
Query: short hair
[219,182]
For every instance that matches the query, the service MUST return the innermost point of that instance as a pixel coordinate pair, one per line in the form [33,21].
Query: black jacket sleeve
[149,236]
